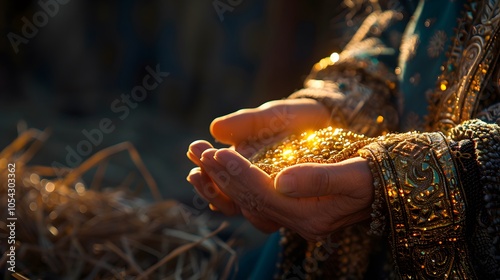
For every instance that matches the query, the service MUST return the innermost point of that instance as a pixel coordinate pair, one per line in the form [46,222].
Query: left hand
[312,199]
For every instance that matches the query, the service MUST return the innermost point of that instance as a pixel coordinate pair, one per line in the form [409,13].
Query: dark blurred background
[81,56]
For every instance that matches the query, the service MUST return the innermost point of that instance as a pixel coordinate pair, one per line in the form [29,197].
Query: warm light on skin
[53,230]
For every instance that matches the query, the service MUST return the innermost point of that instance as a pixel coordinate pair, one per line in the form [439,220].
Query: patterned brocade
[470,79]
[426,203]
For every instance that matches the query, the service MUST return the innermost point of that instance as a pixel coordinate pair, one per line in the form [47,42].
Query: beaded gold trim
[425,202]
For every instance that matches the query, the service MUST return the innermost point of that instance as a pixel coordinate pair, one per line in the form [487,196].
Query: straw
[65,229]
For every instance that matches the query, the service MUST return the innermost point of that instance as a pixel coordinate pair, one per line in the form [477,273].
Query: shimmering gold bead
[326,145]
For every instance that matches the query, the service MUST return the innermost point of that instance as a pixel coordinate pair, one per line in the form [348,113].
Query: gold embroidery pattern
[472,60]
[425,202]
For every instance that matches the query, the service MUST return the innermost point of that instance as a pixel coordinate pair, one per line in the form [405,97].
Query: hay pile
[66,230]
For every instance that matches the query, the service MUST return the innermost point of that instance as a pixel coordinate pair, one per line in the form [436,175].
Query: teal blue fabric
[433,24]
[419,42]
[261,263]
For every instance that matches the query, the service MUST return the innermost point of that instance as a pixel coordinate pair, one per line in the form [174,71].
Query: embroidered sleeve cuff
[419,188]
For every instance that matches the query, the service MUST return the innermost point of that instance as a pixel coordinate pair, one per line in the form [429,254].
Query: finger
[253,191]
[211,193]
[194,153]
[274,117]
[248,186]
[260,223]
[196,149]
[351,177]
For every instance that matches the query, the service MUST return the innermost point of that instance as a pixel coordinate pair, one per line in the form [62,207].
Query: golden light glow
[287,152]
[212,207]
[443,85]
[317,67]
[53,230]
[311,137]
[50,187]
[315,83]
[334,57]
[323,63]
[380,119]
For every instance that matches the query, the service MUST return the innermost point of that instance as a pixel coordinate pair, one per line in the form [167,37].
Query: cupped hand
[247,131]
[312,199]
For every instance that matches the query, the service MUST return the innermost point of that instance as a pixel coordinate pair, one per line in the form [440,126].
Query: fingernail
[208,153]
[193,175]
[196,151]
[207,162]
[223,156]
[285,183]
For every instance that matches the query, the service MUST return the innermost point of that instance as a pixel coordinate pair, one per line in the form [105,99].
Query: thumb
[271,118]
[351,177]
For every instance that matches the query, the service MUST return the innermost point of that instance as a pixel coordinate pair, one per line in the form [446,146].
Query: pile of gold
[65,229]
[327,145]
